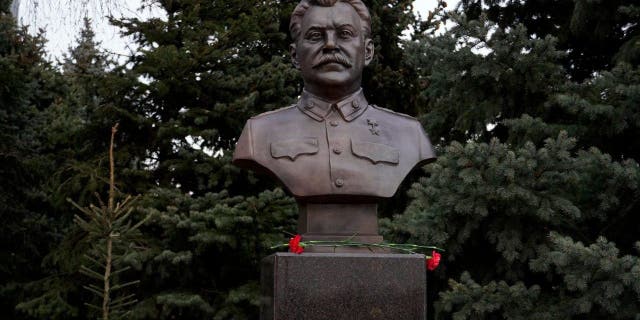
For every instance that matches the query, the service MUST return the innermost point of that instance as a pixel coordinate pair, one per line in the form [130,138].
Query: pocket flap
[375,152]
[292,148]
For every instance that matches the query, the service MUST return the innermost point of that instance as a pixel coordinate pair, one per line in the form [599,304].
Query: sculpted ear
[369,49]
[294,55]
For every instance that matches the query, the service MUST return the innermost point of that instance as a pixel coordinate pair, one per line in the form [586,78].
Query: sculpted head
[332,45]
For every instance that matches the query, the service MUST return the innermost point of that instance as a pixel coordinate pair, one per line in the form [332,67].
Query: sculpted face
[332,51]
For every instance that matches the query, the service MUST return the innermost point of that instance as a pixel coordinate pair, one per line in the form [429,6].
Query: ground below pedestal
[349,286]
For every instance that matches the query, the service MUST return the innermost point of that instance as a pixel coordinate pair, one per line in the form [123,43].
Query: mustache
[332,58]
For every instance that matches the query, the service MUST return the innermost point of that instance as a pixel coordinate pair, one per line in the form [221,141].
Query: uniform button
[333,123]
[337,150]
[355,104]
[339,182]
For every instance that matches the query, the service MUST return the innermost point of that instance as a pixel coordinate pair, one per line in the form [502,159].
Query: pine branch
[92,289]
[122,299]
[112,183]
[88,272]
[93,306]
[86,256]
[107,280]
[108,227]
[121,270]
[124,285]
[123,304]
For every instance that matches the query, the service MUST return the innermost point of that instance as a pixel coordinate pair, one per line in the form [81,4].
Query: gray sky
[62,21]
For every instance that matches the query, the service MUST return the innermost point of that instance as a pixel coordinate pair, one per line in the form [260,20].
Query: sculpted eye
[314,35]
[346,33]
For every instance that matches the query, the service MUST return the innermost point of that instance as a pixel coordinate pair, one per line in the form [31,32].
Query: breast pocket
[375,152]
[294,148]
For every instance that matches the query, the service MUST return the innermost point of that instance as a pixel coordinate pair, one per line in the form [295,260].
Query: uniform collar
[349,108]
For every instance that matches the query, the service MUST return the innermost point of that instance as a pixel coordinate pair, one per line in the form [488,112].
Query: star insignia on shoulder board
[373,127]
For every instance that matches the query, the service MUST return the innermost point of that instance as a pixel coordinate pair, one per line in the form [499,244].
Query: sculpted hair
[304,5]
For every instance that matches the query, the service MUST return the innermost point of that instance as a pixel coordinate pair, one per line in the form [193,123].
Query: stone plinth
[349,286]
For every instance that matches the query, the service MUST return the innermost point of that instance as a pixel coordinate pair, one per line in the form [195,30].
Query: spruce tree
[205,70]
[534,192]
[533,195]
[591,32]
[28,86]
[181,100]
[70,132]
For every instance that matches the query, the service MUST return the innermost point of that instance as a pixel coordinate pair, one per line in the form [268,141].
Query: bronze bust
[337,154]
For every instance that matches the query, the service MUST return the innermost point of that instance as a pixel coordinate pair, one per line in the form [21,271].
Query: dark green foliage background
[534,107]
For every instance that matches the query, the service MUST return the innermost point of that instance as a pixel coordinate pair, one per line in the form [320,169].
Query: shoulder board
[393,112]
[273,111]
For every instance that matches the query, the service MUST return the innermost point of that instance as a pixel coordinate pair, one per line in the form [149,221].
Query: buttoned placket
[335,117]
[336,143]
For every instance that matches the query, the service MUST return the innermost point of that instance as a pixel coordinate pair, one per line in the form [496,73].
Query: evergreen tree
[535,205]
[479,73]
[70,132]
[533,195]
[110,235]
[203,72]
[206,69]
[28,85]
[181,101]
[595,34]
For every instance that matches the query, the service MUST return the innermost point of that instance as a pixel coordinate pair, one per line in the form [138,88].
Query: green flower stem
[359,245]
[403,247]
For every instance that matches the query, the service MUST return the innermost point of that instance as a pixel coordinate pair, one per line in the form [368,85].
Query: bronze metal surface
[334,152]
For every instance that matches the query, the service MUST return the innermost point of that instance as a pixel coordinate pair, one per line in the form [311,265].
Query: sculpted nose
[330,43]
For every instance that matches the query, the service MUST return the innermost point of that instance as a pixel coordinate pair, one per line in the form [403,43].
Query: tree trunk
[15,8]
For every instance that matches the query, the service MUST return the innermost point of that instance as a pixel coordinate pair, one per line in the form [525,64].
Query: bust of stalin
[333,151]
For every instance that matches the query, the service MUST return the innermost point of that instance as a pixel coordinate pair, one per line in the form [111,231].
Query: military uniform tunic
[328,151]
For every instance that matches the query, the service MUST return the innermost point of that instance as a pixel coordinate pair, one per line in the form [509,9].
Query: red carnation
[434,261]
[294,244]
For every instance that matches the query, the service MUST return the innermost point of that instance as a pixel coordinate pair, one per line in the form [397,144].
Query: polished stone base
[349,286]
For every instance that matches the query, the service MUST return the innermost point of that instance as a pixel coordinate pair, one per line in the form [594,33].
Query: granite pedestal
[349,286]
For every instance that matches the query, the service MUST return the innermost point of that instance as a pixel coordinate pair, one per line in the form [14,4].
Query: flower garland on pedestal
[296,245]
